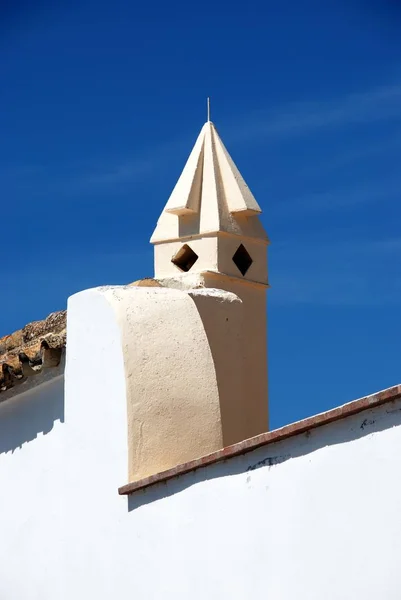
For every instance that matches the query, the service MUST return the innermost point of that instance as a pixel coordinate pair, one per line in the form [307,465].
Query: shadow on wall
[340,432]
[24,417]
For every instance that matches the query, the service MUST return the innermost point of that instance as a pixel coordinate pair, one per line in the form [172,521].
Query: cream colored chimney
[209,236]
[194,338]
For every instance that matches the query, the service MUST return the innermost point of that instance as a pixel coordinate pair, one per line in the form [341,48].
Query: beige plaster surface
[183,369]
[250,397]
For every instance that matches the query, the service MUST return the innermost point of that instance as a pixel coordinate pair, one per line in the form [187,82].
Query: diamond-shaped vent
[185,258]
[242,259]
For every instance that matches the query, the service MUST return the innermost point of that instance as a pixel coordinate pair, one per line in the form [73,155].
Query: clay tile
[147,282]
[39,344]
[32,352]
[51,357]
[9,342]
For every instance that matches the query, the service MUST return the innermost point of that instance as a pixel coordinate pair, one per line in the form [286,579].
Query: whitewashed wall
[31,506]
[315,516]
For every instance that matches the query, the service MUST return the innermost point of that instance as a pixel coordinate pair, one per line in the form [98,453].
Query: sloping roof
[27,351]
[210,190]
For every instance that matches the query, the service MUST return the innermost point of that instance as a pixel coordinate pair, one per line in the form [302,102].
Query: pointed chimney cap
[212,188]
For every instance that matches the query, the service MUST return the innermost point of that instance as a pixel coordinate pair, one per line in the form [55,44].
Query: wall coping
[342,412]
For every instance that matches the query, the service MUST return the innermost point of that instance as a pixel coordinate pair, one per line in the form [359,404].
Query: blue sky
[100,105]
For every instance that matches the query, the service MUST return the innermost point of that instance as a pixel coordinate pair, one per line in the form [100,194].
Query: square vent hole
[242,259]
[185,258]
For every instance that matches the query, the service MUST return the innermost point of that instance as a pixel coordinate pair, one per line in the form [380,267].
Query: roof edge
[299,427]
[38,345]
[29,384]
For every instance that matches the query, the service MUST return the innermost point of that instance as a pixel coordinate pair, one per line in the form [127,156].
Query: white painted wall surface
[31,503]
[310,517]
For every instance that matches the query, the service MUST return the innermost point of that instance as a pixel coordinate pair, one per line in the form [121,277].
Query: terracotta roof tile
[146,282]
[36,346]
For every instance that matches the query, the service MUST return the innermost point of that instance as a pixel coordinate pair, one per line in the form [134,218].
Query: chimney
[194,337]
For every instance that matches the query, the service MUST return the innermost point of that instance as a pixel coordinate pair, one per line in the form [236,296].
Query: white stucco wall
[314,516]
[31,502]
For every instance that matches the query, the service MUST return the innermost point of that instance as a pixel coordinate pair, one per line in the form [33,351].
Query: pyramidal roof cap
[211,193]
